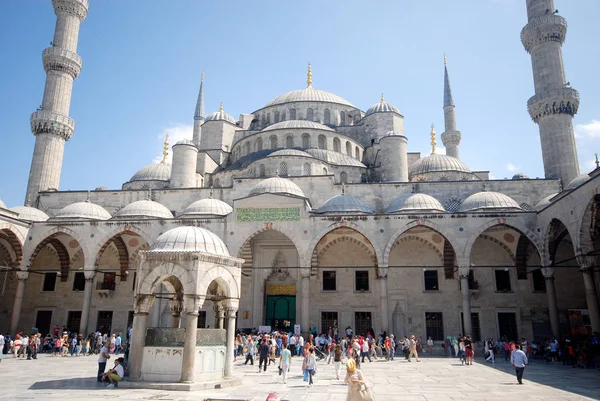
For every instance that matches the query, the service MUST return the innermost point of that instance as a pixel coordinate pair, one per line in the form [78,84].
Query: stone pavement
[433,379]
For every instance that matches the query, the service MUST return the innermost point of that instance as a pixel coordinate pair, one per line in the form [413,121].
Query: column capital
[586,262]
[143,303]
[305,273]
[193,303]
[230,312]
[463,271]
[176,307]
[22,275]
[382,272]
[89,273]
[548,272]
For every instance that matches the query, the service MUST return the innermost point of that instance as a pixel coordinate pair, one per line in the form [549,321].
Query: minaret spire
[309,76]
[433,141]
[451,136]
[199,113]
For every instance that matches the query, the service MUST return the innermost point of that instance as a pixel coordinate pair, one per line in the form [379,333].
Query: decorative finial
[597,161]
[149,194]
[202,77]
[309,76]
[28,200]
[382,98]
[221,107]
[433,142]
[343,188]
[89,193]
[445,59]
[210,194]
[165,149]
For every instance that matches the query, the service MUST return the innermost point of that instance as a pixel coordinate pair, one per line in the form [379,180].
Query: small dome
[190,239]
[392,133]
[344,204]
[2,205]
[277,185]
[382,107]
[153,172]
[185,142]
[207,207]
[220,116]
[144,208]
[297,124]
[577,181]
[415,203]
[520,176]
[101,188]
[436,163]
[308,94]
[488,201]
[29,213]
[289,152]
[83,210]
[544,202]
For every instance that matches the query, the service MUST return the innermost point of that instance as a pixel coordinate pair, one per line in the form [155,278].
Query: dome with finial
[382,107]
[82,211]
[435,163]
[155,172]
[344,204]
[207,207]
[220,115]
[520,176]
[415,202]
[189,239]
[277,185]
[145,208]
[577,181]
[101,188]
[488,200]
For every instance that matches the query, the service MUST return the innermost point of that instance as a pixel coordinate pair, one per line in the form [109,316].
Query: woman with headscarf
[357,388]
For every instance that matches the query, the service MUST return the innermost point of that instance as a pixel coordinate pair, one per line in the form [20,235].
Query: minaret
[555,102]
[51,124]
[450,137]
[199,113]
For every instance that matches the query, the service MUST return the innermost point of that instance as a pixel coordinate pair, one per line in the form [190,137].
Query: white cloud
[176,133]
[588,131]
[511,167]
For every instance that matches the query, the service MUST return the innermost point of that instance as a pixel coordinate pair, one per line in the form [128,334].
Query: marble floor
[436,379]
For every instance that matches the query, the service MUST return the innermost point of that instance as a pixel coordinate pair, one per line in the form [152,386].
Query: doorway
[104,322]
[281,312]
[42,321]
[362,323]
[507,325]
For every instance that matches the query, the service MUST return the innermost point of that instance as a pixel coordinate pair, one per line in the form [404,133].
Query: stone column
[383,289]
[305,300]
[548,273]
[463,272]
[87,302]
[16,314]
[189,347]
[230,342]
[587,264]
[138,335]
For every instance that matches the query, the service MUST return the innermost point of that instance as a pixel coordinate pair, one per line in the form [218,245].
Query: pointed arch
[61,253]
[589,231]
[12,239]
[158,275]
[556,232]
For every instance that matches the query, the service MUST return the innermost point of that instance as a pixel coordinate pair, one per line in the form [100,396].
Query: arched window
[282,170]
[276,117]
[282,116]
[306,169]
[357,153]
[343,177]
[264,120]
[444,177]
[292,114]
[337,145]
[326,117]
[349,148]
[259,144]
[268,118]
[247,149]
[305,141]
[324,170]
[309,114]
[273,142]
[342,118]
[289,141]
[322,142]
[261,170]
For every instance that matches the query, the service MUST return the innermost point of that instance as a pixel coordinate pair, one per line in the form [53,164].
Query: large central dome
[308,94]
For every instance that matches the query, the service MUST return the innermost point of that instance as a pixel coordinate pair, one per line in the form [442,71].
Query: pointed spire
[382,98]
[448,100]
[309,76]
[433,142]
[199,113]
[165,149]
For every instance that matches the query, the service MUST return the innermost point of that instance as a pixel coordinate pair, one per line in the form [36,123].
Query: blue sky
[142,61]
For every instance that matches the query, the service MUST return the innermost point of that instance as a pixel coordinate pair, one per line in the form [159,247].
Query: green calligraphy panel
[268,214]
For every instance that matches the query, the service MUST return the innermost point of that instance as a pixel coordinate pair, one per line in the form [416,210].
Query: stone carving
[247,214]
[546,28]
[553,101]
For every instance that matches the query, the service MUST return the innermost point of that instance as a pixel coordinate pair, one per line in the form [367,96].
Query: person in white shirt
[429,345]
[518,360]
[116,374]
[102,358]
[293,345]
[2,342]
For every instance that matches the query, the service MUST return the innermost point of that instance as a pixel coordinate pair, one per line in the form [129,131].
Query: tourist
[118,342]
[24,345]
[506,350]
[299,345]
[102,359]
[413,349]
[311,365]
[57,346]
[115,374]
[364,349]
[2,343]
[392,347]
[518,359]
[272,353]
[357,389]
[263,354]
[469,352]
[490,348]
[461,350]
[285,360]
[250,350]
[87,346]
[429,345]
[292,344]
[455,346]
[337,360]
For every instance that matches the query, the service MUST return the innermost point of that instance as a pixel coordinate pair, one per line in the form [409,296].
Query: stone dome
[82,210]
[308,94]
[144,208]
[437,163]
[190,239]
[382,107]
[207,207]
[577,181]
[29,213]
[277,185]
[185,142]
[415,203]
[332,157]
[153,172]
[544,202]
[392,133]
[488,200]
[344,204]
[297,124]
[289,152]
[101,188]
[520,176]
[220,116]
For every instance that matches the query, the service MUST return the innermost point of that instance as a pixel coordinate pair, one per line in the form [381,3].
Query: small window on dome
[322,142]
[306,169]
[276,114]
[289,142]
[259,144]
[444,177]
[349,148]
[247,149]
[343,177]
[273,142]
[261,170]
[342,118]
[421,179]
[292,114]
[282,116]
[282,171]
[357,153]
[464,178]
[326,117]
[337,145]
[264,120]
[309,114]
[268,118]
[305,141]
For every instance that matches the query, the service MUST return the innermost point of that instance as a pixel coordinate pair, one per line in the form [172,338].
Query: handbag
[364,393]
[280,370]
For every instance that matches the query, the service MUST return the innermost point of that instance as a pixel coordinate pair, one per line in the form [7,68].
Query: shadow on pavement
[80,383]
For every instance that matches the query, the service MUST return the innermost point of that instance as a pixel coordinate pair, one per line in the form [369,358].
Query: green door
[281,312]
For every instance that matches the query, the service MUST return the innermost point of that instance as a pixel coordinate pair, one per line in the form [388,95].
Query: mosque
[337,222]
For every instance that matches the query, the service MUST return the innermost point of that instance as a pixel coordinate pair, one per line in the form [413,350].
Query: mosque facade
[337,222]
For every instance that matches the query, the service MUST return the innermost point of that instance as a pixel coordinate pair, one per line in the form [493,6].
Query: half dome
[190,239]
[289,152]
[277,185]
[415,203]
[544,202]
[308,94]
[29,213]
[344,204]
[437,163]
[207,207]
[297,124]
[84,211]
[577,181]
[144,208]
[153,172]
[382,107]
[488,201]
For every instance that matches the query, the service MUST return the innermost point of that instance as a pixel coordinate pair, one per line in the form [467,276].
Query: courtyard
[434,378]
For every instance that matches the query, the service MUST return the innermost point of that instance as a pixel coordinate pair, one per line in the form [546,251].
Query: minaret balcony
[553,101]
[48,122]
[545,28]
[59,59]
[78,8]
[451,137]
